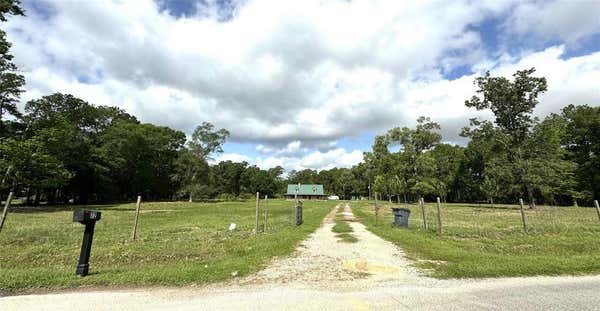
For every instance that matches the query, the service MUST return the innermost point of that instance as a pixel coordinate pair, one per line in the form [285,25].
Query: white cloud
[570,81]
[317,160]
[566,20]
[278,71]
[233,157]
[296,76]
[293,148]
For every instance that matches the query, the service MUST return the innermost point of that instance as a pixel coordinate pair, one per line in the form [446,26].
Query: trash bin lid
[401,209]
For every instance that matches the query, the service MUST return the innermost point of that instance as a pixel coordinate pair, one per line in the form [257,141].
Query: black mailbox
[84,216]
[88,218]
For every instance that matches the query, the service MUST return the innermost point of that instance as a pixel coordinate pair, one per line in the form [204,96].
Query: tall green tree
[418,166]
[11,82]
[227,176]
[447,159]
[305,176]
[70,129]
[141,159]
[346,180]
[192,165]
[266,182]
[512,102]
[582,142]
[28,167]
[529,158]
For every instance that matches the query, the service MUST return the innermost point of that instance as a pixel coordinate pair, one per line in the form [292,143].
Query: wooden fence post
[439,216]
[5,211]
[256,214]
[137,214]
[597,208]
[376,210]
[523,219]
[266,211]
[422,202]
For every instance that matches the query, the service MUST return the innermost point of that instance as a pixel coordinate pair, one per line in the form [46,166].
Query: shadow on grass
[63,208]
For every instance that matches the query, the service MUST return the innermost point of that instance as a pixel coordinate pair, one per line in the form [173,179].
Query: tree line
[62,149]
[550,161]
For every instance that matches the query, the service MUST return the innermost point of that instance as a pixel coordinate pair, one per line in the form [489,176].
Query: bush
[247,196]
[226,197]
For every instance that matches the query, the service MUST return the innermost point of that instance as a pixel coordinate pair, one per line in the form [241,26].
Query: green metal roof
[305,190]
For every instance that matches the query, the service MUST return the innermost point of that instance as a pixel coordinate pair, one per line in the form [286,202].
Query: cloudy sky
[303,84]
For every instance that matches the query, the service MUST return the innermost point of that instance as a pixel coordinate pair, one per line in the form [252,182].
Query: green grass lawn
[178,244]
[343,229]
[479,241]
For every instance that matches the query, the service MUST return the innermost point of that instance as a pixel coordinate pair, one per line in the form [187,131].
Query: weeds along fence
[482,220]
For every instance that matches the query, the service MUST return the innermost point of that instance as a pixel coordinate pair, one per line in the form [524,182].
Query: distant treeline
[62,149]
[550,161]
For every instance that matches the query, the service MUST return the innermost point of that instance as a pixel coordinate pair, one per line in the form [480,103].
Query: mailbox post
[298,213]
[87,218]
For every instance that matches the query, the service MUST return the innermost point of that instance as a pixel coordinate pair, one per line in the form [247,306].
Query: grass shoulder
[178,244]
[479,241]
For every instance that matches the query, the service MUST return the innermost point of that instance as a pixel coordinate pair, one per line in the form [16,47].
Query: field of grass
[480,241]
[341,227]
[178,244]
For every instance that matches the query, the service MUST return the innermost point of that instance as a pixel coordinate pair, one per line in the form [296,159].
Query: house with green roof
[305,192]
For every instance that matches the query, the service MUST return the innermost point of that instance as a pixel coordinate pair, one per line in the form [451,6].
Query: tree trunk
[28,197]
[531,198]
[405,202]
[51,197]
[190,200]
[37,198]
[5,177]
[492,201]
